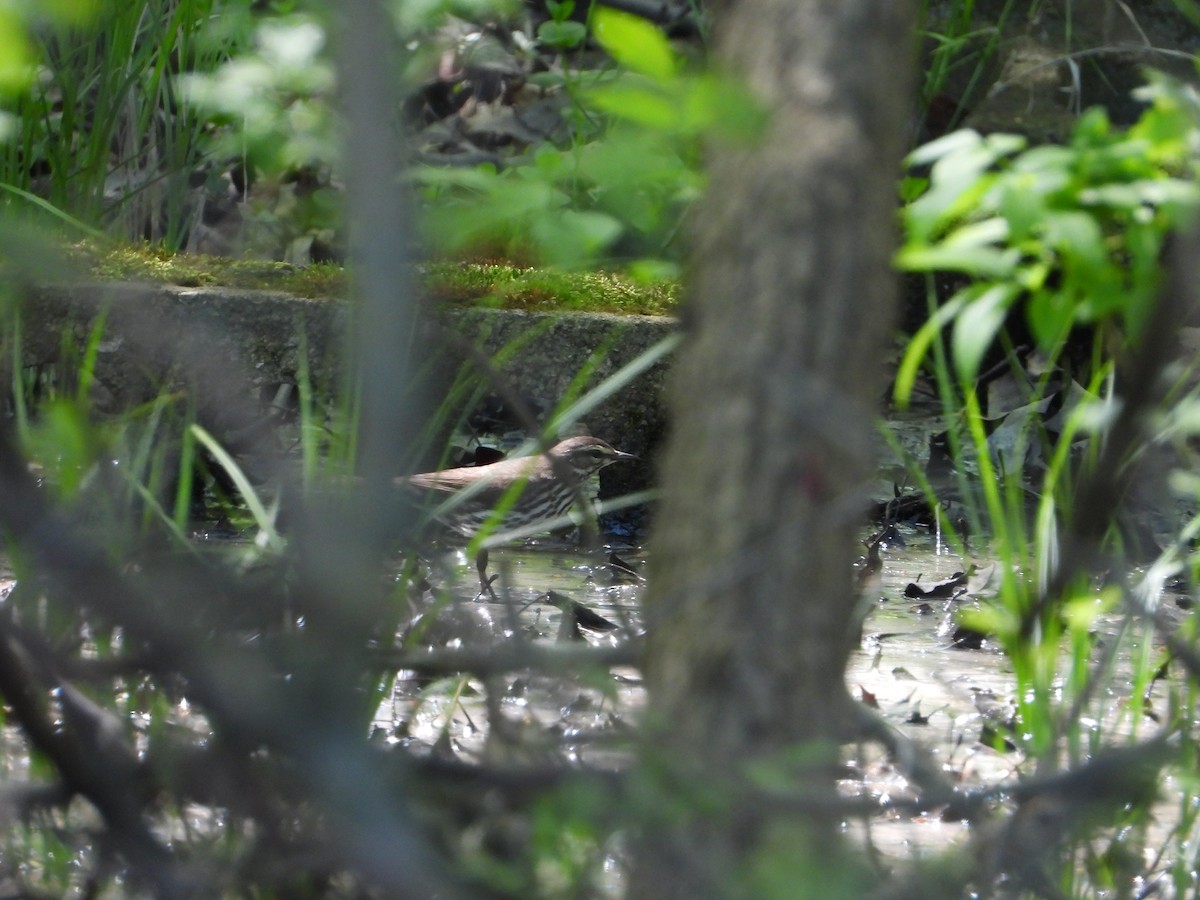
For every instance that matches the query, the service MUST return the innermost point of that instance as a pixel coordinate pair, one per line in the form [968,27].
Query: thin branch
[500,660]
[92,760]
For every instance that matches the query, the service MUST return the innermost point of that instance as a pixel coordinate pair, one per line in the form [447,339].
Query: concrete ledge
[234,349]
[555,347]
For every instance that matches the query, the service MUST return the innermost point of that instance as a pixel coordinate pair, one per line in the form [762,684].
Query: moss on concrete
[150,264]
[508,286]
[499,285]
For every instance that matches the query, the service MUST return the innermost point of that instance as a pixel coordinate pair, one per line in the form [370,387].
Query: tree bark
[751,609]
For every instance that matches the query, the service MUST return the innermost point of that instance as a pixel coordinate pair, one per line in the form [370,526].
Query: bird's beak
[622,455]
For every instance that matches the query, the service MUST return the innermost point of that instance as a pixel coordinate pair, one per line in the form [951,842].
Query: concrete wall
[234,349]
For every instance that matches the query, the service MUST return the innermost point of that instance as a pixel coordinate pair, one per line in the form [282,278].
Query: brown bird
[527,493]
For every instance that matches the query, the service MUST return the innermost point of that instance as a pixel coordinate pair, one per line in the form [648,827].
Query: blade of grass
[56,212]
[254,504]
[614,383]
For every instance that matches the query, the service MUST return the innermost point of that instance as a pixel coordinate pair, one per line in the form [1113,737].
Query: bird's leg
[485,583]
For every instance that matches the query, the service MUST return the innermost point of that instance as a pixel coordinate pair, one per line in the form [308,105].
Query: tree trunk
[752,609]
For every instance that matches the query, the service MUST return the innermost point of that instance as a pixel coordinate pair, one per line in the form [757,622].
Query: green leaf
[562,35]
[637,176]
[560,10]
[1032,275]
[1022,204]
[571,238]
[985,262]
[1031,187]
[1092,129]
[49,207]
[262,518]
[1050,315]
[634,43]
[549,161]
[976,326]
[644,103]
[17,57]
[1077,236]
[959,179]
[1168,128]
[1133,195]
[1050,160]
[912,187]
[954,142]
[918,346]
[942,203]
[74,12]
[65,443]
[1082,613]
[651,271]
[991,619]
[978,234]
[724,107]
[498,211]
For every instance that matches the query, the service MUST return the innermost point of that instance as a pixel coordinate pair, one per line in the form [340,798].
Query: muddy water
[585,719]
[907,667]
[944,698]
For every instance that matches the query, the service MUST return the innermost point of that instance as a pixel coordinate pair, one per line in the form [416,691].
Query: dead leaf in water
[940,590]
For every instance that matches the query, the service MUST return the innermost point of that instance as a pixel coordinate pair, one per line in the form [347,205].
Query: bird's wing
[434,481]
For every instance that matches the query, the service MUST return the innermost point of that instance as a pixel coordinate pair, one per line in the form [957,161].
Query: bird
[528,493]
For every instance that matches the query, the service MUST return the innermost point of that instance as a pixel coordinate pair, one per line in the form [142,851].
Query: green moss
[188,270]
[502,285]
[525,287]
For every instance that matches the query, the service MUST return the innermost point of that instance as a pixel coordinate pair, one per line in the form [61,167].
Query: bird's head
[586,455]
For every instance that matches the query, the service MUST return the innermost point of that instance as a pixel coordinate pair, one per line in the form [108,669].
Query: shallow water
[907,668]
[578,719]
[942,697]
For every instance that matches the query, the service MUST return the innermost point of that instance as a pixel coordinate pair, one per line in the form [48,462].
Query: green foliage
[568,840]
[264,520]
[112,147]
[271,112]
[278,94]
[120,470]
[1066,236]
[1075,232]
[412,16]
[631,169]
[524,205]
[636,45]
[561,32]
[101,135]
[959,43]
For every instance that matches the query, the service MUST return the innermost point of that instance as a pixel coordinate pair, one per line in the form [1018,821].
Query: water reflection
[957,703]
